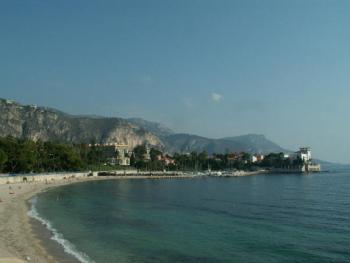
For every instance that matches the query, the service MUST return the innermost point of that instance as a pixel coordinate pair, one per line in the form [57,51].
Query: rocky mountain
[42,123]
[154,127]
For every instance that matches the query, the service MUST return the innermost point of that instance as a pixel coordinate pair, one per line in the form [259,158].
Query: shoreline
[240,173]
[19,242]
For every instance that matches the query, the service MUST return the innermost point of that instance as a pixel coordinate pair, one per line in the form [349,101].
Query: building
[147,155]
[123,154]
[257,158]
[167,159]
[305,166]
[115,153]
[305,154]
[260,157]
[253,159]
[112,161]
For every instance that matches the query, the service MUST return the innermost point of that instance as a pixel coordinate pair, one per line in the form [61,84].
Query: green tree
[154,153]
[203,160]
[132,160]
[27,156]
[94,155]
[139,152]
[298,161]
[246,157]
[12,149]
[3,159]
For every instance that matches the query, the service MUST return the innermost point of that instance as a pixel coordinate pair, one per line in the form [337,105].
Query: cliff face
[154,127]
[39,123]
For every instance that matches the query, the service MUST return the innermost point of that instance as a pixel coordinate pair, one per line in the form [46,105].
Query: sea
[262,218]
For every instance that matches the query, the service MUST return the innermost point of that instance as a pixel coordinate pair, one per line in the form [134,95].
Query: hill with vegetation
[252,143]
[47,124]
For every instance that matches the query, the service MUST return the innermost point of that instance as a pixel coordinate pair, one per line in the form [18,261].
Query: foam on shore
[68,247]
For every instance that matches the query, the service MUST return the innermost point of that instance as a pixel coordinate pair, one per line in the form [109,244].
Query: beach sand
[11,260]
[18,240]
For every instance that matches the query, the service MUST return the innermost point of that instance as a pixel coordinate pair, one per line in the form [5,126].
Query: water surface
[265,218]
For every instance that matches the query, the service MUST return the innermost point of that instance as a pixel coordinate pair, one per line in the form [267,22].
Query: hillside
[42,123]
[251,143]
[39,123]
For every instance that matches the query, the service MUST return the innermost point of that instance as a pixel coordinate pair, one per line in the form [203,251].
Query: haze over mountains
[42,123]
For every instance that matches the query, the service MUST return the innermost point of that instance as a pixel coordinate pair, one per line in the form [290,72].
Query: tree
[298,161]
[246,157]
[11,147]
[273,160]
[27,156]
[203,160]
[132,160]
[94,155]
[3,159]
[154,153]
[139,152]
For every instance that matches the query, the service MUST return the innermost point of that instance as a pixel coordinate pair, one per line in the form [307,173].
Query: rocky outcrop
[39,123]
[154,127]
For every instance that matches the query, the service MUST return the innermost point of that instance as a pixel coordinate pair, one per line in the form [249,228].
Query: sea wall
[289,170]
[313,168]
[135,173]
[306,168]
[29,178]
[13,179]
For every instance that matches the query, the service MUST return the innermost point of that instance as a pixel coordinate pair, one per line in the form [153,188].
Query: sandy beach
[17,239]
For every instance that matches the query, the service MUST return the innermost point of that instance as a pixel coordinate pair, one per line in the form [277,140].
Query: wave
[68,247]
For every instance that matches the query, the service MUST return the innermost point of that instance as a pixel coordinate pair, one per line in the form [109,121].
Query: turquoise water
[266,218]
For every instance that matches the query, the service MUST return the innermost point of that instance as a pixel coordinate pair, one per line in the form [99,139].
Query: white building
[253,159]
[123,154]
[305,154]
[256,158]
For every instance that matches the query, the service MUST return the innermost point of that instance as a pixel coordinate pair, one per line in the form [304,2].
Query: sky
[213,68]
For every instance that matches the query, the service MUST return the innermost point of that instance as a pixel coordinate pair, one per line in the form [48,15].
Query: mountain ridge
[187,142]
[45,123]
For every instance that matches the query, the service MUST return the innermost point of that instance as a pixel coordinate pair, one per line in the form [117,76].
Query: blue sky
[213,68]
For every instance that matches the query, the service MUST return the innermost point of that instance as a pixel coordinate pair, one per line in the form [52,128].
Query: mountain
[42,123]
[256,143]
[252,143]
[154,127]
